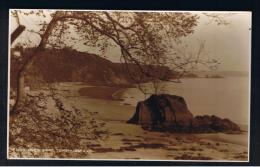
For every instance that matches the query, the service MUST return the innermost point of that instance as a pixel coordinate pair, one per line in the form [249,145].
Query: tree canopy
[146,39]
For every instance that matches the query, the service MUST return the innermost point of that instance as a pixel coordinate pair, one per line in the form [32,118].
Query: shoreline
[127,141]
[102,92]
[114,93]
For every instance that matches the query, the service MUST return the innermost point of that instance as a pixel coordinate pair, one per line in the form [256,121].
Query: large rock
[167,111]
[207,124]
[170,112]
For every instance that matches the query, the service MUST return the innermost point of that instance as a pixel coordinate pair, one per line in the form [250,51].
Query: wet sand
[127,141]
[100,92]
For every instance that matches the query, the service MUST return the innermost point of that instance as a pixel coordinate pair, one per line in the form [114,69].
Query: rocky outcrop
[170,113]
[167,111]
[207,124]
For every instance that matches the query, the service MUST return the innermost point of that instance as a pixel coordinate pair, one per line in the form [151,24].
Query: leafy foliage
[36,132]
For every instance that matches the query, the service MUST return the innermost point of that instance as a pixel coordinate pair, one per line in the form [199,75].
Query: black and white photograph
[129,85]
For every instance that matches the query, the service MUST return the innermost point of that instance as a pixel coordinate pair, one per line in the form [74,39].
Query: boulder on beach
[208,124]
[162,110]
[166,112]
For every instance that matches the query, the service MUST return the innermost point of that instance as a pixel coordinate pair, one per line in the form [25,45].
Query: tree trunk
[20,81]
[20,92]
[17,32]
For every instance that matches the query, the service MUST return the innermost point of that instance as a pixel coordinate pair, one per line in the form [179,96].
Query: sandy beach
[128,141]
[129,85]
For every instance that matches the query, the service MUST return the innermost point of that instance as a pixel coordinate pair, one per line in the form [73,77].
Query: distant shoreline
[131,97]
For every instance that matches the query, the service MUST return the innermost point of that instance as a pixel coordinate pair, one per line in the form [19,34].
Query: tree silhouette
[144,39]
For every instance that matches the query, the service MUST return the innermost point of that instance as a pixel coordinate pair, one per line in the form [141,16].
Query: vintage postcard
[129,85]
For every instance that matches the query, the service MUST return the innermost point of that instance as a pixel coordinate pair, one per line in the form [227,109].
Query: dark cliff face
[68,65]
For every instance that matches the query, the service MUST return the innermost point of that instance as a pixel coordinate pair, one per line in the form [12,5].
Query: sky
[229,44]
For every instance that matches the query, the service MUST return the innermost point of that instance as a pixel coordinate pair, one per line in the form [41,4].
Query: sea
[227,97]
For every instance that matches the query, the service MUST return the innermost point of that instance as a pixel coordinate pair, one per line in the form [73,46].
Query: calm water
[224,97]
